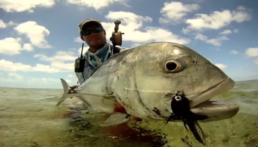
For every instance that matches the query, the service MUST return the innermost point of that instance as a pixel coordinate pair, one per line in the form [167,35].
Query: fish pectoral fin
[115,119]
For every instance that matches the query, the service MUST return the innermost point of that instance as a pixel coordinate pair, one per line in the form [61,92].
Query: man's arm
[80,78]
[119,49]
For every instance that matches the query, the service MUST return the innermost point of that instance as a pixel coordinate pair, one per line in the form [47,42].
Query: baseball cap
[89,21]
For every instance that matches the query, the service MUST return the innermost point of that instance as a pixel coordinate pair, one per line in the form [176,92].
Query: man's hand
[71,89]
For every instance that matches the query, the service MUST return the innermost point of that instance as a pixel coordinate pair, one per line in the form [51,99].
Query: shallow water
[29,118]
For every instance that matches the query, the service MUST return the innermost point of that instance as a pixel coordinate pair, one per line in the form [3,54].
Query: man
[93,33]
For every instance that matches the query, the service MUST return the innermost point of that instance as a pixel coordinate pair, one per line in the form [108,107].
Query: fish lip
[216,110]
[208,94]
[212,87]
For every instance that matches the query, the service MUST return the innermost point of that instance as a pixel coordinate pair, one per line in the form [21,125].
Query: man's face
[94,35]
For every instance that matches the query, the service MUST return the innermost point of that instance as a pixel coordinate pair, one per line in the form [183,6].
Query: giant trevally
[143,80]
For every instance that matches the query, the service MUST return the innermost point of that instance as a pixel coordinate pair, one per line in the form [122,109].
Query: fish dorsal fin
[115,119]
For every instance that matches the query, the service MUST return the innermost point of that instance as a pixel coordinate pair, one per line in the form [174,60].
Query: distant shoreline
[62,89]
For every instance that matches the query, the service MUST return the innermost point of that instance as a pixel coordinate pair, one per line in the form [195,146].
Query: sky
[39,40]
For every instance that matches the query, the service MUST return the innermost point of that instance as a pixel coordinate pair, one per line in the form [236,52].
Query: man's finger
[74,86]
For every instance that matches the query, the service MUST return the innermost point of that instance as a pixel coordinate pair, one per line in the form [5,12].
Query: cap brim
[89,23]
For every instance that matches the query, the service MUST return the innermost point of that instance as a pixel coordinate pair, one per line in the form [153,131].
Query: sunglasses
[88,32]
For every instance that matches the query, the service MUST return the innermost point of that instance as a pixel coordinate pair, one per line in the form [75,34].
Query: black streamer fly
[180,106]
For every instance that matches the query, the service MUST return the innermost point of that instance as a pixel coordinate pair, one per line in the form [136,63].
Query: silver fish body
[143,80]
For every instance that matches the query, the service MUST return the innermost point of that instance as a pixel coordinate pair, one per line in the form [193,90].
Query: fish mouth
[216,110]
[201,104]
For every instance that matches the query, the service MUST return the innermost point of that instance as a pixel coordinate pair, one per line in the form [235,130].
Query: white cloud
[36,33]
[234,52]
[24,5]
[186,30]
[226,32]
[52,68]
[98,4]
[85,49]
[12,46]
[27,47]
[215,41]
[252,52]
[11,23]
[221,66]
[135,31]
[13,79]
[72,78]
[175,11]
[5,25]
[62,62]
[132,26]
[10,66]
[62,66]
[60,56]
[218,19]
[2,24]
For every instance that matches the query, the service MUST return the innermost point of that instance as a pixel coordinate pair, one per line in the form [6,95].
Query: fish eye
[178,98]
[172,66]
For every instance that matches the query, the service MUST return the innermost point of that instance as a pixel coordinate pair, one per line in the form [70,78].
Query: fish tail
[65,94]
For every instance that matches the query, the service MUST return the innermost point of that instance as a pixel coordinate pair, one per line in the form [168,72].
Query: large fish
[144,79]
